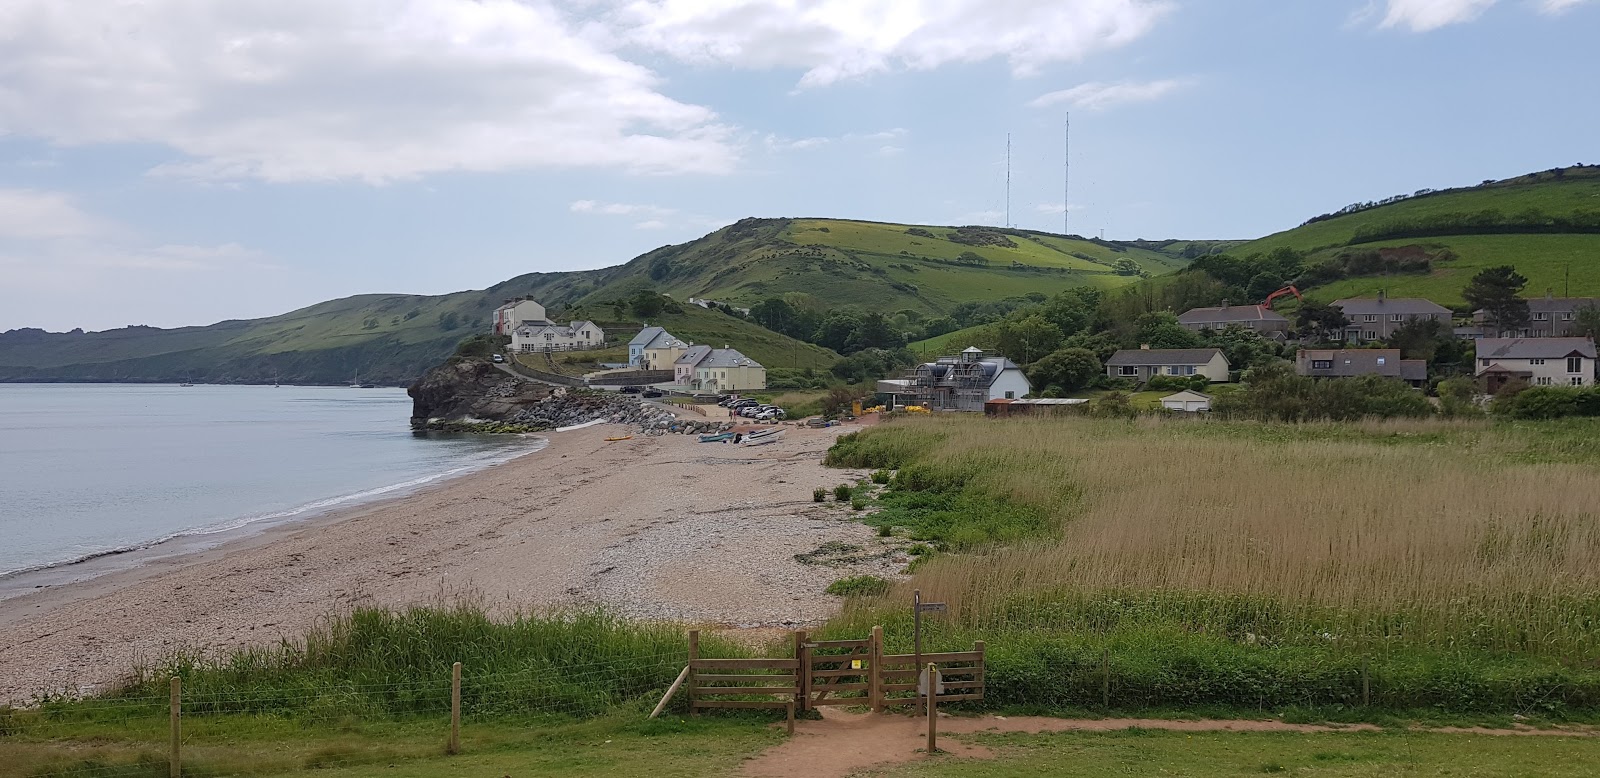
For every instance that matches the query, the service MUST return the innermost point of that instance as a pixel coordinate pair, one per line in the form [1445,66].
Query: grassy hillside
[392,338]
[715,329]
[1546,225]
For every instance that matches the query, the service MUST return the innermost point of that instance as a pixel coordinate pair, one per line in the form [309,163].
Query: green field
[1553,263]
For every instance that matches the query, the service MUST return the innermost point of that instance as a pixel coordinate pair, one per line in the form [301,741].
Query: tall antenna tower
[1008,179]
[1066,181]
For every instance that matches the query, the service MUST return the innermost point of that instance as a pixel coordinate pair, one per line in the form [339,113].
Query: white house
[533,336]
[1539,361]
[959,383]
[1187,401]
[514,312]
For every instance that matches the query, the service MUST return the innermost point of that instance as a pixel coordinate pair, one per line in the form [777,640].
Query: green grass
[1218,754]
[1546,260]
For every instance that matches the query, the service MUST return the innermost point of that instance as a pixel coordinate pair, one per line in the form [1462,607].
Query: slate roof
[693,355]
[1162,356]
[1364,306]
[645,336]
[1230,313]
[1361,361]
[1535,348]
[728,357]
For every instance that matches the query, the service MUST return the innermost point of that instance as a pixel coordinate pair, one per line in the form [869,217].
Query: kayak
[624,437]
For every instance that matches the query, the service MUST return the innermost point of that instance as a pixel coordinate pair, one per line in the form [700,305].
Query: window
[1543,380]
[1566,316]
[1321,364]
[1127,370]
[1369,317]
[1382,361]
[1541,317]
[1370,335]
[1577,380]
[1011,395]
[1574,364]
[1535,361]
[1396,317]
[1484,362]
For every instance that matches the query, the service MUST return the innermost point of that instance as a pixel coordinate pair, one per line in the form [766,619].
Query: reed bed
[1350,540]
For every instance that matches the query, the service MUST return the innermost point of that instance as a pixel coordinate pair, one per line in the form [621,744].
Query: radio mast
[1066,180]
[1008,179]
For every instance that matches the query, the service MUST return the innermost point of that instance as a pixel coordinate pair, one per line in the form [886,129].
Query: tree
[1028,339]
[1419,338]
[873,331]
[1320,319]
[646,303]
[1161,329]
[1069,370]
[1587,322]
[1497,291]
[1265,283]
[834,331]
[774,313]
[1125,267]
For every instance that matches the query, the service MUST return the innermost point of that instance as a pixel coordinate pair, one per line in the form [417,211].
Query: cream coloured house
[1539,361]
[726,370]
[662,352]
[1142,364]
[515,312]
[534,336]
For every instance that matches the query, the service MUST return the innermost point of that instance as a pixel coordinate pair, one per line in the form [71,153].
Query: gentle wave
[309,509]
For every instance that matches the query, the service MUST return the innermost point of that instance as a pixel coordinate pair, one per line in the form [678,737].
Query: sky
[181,162]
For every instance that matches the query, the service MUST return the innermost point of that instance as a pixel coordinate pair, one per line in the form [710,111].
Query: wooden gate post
[175,714]
[933,709]
[875,670]
[802,679]
[455,710]
[694,654]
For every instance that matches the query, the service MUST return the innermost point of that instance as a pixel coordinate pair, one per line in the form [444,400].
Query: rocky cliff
[474,395]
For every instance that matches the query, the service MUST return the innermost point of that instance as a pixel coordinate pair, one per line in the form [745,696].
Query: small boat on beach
[763,437]
[624,437]
[720,437]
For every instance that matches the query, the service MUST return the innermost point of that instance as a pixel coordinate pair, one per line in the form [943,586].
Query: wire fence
[247,732]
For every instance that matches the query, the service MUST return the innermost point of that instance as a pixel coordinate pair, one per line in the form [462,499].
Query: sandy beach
[662,528]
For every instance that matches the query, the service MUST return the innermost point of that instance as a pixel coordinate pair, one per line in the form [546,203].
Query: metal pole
[916,632]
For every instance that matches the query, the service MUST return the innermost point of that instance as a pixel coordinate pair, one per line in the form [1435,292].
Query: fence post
[1366,684]
[789,721]
[933,710]
[875,670]
[694,654]
[175,714]
[1105,678]
[455,709]
[803,672]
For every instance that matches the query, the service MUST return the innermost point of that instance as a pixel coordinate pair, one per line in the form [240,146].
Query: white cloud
[27,214]
[834,40]
[619,209]
[889,151]
[1098,96]
[1555,7]
[375,90]
[1425,15]
[651,224]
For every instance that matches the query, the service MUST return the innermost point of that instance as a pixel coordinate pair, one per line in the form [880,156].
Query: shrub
[880,476]
[858,504]
[858,586]
[842,492]
[819,494]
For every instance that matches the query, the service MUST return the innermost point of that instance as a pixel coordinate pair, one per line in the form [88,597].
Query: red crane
[1290,289]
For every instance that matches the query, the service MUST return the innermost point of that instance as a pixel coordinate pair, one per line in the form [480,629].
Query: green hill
[1546,224]
[391,339]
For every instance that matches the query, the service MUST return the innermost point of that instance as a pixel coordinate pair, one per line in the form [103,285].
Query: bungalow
[1539,361]
[1252,317]
[959,383]
[1377,318]
[1144,363]
[726,370]
[533,336]
[1346,363]
[684,368]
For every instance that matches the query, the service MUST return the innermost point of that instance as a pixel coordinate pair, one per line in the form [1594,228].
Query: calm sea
[90,470]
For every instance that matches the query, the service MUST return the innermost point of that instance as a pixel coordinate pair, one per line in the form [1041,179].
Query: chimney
[1224,303]
[1549,293]
[1383,294]
[1144,346]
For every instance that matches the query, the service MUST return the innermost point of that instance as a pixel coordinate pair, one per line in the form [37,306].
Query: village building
[1377,318]
[726,370]
[1187,401]
[1348,363]
[1548,317]
[535,336]
[1143,364]
[637,345]
[1538,361]
[662,352]
[683,370]
[959,383]
[1259,318]
[515,312]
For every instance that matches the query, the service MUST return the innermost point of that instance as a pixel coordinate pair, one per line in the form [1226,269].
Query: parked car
[499,358]
[632,389]
[654,393]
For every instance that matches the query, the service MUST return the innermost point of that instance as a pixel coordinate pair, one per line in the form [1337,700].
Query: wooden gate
[834,672]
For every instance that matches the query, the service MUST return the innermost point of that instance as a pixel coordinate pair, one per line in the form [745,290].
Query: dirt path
[844,744]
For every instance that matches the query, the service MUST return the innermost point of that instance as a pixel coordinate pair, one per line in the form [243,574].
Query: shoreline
[642,527]
[227,532]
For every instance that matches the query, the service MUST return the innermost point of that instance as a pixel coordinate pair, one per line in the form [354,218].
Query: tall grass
[1331,540]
